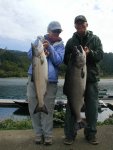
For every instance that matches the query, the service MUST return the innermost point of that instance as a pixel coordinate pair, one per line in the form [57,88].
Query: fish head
[78,56]
[37,48]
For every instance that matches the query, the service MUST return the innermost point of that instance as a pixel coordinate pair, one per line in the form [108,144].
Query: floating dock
[23,103]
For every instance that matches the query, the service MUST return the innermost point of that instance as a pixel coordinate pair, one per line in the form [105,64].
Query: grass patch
[106,122]
[9,124]
[27,124]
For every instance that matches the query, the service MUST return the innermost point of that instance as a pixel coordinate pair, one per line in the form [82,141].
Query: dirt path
[24,140]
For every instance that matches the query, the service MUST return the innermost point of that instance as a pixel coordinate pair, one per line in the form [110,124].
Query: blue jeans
[42,123]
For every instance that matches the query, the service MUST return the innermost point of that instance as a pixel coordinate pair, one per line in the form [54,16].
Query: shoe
[68,141]
[48,141]
[92,140]
[38,139]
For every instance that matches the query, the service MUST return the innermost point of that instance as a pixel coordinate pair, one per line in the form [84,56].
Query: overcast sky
[21,21]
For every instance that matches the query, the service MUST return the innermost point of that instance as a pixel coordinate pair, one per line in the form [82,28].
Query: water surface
[15,88]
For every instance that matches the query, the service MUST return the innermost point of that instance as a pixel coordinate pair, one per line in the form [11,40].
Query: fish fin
[41,109]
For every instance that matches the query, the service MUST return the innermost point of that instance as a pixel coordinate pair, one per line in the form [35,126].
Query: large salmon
[75,81]
[40,75]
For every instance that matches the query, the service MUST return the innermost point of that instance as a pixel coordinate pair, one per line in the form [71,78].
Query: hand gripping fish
[75,81]
[40,75]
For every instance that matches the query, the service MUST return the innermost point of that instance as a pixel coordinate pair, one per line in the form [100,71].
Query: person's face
[81,27]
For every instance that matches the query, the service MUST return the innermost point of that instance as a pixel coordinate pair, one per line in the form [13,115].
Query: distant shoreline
[60,77]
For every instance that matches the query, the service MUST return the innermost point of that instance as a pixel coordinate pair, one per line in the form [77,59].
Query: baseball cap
[80,18]
[54,26]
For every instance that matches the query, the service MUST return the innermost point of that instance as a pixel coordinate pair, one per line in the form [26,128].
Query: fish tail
[41,109]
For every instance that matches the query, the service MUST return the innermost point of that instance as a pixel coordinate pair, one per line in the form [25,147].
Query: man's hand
[86,49]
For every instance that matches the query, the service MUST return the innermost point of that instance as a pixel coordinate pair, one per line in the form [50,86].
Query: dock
[24,103]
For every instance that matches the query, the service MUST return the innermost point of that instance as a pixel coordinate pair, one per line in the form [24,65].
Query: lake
[15,88]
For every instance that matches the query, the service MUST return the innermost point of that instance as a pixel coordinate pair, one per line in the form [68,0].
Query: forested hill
[106,65]
[15,64]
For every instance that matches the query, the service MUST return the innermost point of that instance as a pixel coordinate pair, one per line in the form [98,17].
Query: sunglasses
[57,31]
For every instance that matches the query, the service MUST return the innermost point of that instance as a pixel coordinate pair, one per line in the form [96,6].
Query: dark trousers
[91,108]
[70,124]
[91,112]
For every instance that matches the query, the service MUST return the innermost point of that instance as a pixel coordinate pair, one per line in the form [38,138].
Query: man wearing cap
[54,50]
[94,53]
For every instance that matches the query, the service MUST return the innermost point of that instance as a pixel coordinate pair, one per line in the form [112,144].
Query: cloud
[23,20]
[16,19]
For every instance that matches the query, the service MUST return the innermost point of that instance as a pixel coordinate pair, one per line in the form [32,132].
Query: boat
[21,103]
